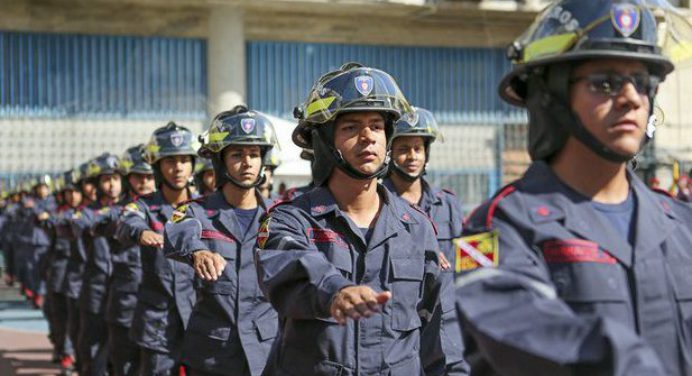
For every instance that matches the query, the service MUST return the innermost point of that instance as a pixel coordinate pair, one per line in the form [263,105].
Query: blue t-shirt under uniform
[621,215]
[245,217]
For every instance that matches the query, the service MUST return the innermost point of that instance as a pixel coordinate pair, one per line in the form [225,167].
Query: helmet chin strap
[354,173]
[405,175]
[260,179]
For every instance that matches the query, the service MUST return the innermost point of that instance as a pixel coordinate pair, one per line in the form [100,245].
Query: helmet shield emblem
[625,18]
[176,139]
[364,84]
[248,125]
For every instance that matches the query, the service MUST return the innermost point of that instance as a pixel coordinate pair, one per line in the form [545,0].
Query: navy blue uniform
[61,234]
[74,273]
[309,250]
[166,294]
[122,297]
[7,237]
[570,294]
[445,357]
[93,332]
[232,325]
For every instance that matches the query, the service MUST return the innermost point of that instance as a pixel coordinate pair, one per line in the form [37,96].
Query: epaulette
[288,195]
[449,191]
[198,200]
[492,204]
[420,210]
[662,192]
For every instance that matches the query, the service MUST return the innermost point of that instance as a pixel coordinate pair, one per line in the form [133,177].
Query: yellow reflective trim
[551,45]
[319,105]
[126,164]
[153,148]
[680,51]
[217,136]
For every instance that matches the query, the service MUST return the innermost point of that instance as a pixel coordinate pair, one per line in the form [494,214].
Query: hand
[150,238]
[444,263]
[208,265]
[43,216]
[29,203]
[355,302]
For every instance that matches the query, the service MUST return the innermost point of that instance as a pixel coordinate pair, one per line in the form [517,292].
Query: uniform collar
[430,194]
[221,213]
[654,218]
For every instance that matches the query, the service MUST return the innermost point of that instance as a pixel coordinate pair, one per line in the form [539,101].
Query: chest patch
[575,250]
[319,235]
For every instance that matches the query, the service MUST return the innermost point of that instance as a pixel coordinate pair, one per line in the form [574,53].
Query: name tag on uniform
[319,235]
[575,250]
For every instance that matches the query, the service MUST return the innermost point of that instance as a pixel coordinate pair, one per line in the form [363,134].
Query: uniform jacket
[166,294]
[98,266]
[232,322]
[127,272]
[72,285]
[570,295]
[445,357]
[58,226]
[309,250]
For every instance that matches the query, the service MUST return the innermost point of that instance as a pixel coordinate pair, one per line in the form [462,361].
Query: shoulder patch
[476,251]
[263,233]
[132,207]
[179,213]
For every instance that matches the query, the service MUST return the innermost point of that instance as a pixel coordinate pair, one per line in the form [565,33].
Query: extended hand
[151,239]
[355,302]
[208,265]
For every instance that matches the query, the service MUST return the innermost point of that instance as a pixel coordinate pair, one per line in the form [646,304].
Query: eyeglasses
[611,84]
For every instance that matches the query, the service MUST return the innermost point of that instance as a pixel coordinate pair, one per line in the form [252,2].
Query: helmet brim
[507,88]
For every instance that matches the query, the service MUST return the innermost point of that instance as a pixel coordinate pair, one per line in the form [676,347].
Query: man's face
[142,184]
[618,121]
[42,191]
[110,185]
[176,170]
[89,190]
[209,179]
[362,140]
[73,197]
[408,152]
[243,162]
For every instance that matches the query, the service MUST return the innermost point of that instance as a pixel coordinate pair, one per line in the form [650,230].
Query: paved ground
[24,346]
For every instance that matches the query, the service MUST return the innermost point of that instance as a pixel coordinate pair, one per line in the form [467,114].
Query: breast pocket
[406,280]
[593,288]
[221,243]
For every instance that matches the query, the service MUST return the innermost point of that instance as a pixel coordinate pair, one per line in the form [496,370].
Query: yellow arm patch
[475,251]
[263,233]
[179,213]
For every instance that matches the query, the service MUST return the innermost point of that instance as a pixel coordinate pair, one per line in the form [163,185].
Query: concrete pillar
[225,59]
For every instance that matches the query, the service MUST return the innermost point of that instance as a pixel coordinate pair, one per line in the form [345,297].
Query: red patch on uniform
[211,234]
[575,250]
[318,235]
[319,209]
[406,217]
[543,211]
[157,226]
